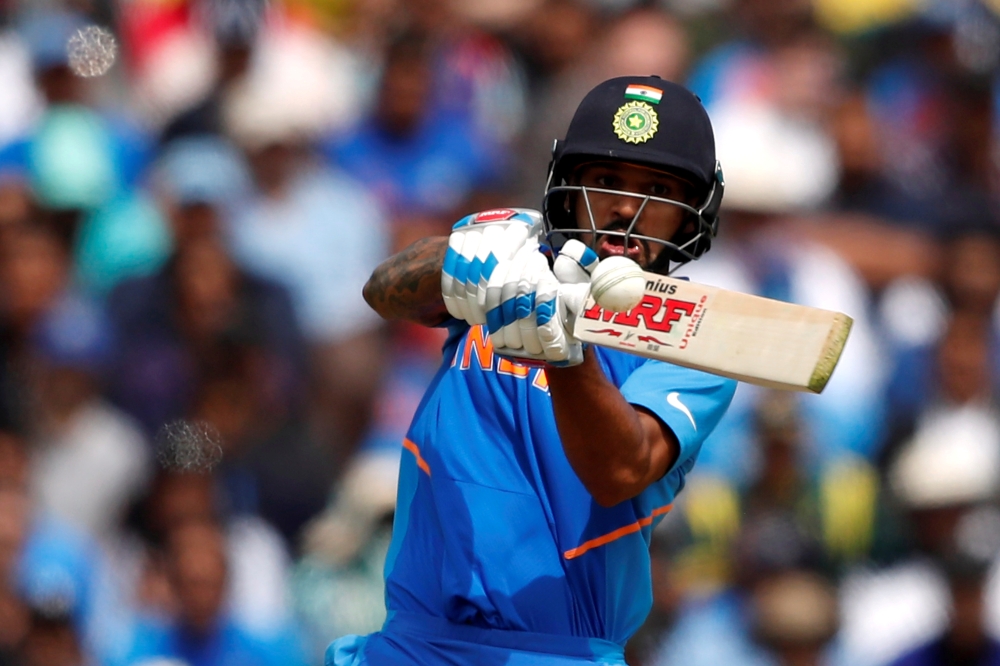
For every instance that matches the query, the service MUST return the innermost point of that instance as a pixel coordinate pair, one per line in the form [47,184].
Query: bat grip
[574,296]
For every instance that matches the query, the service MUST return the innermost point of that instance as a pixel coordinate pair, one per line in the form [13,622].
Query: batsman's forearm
[408,284]
[615,449]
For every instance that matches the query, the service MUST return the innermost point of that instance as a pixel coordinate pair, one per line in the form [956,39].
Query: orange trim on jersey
[479,343]
[541,380]
[415,450]
[617,534]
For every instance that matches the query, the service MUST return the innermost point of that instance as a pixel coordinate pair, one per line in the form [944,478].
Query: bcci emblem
[636,122]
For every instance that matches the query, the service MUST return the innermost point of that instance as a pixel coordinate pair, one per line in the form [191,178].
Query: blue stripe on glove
[544,312]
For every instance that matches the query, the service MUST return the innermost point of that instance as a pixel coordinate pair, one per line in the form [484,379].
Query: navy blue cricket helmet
[651,122]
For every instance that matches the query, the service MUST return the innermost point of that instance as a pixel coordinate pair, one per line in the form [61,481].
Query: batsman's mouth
[614,246]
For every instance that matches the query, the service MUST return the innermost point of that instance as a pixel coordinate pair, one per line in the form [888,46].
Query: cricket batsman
[535,469]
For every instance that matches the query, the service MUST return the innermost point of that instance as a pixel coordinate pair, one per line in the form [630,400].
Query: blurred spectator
[17,206]
[271,465]
[319,233]
[878,204]
[89,460]
[965,640]
[172,323]
[934,120]
[943,333]
[202,632]
[126,238]
[236,28]
[779,612]
[955,372]
[338,585]
[576,58]
[477,83]
[35,272]
[83,163]
[795,618]
[205,336]
[14,624]
[52,639]
[868,212]
[970,278]
[422,163]
[240,44]
[45,562]
[864,187]
[945,480]
[21,100]
[855,18]
[742,69]
[256,589]
[554,38]
[77,158]
[169,56]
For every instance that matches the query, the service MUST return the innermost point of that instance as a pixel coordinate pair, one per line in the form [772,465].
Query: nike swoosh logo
[674,400]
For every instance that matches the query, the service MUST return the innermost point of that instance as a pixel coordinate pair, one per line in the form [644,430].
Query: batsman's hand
[479,244]
[575,263]
[525,314]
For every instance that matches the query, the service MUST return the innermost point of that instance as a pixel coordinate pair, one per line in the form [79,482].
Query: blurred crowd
[201,420]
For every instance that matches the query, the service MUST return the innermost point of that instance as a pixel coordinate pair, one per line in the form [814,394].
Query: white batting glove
[524,313]
[575,263]
[477,246]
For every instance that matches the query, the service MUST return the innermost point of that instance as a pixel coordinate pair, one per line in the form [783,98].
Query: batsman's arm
[617,450]
[408,285]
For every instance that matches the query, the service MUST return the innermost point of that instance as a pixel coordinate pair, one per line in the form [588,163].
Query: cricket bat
[748,338]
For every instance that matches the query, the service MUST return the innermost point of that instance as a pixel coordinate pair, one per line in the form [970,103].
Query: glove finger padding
[575,262]
[449,280]
[495,319]
[466,268]
[527,316]
[511,240]
[504,315]
[482,248]
[558,346]
[535,268]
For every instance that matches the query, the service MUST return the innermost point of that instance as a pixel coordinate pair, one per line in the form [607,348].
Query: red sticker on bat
[606,331]
[495,215]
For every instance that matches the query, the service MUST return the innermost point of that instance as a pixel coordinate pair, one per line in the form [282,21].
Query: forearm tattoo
[408,285]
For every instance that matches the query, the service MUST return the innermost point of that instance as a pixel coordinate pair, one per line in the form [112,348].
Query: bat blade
[749,338]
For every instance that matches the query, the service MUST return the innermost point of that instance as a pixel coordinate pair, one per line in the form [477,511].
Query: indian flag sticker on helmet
[644,93]
[636,122]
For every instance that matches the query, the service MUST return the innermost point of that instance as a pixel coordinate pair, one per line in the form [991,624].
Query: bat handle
[574,296]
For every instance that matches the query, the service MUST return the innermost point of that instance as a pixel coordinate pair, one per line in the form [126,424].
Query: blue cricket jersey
[497,543]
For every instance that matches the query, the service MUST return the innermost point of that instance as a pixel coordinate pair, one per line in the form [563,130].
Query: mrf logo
[495,215]
[655,313]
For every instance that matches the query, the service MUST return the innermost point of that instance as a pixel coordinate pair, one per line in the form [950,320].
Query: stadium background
[201,418]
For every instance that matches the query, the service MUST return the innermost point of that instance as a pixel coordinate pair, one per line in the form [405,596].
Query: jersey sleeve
[690,402]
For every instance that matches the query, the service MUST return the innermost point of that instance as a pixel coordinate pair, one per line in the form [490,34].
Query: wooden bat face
[753,339]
